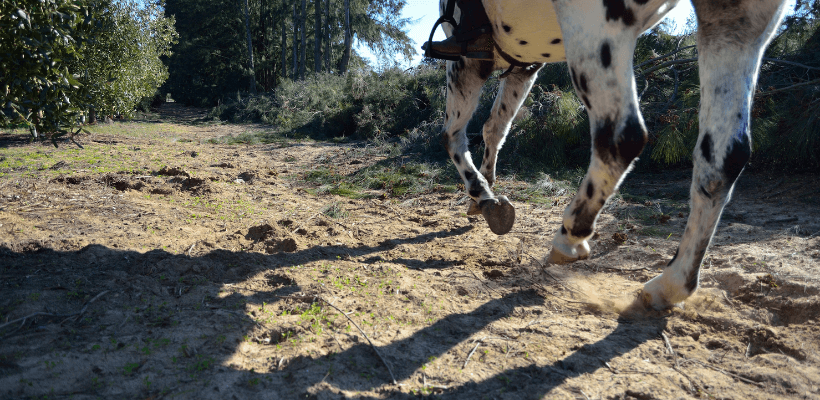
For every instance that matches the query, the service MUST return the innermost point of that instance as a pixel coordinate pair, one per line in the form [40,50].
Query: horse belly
[526,30]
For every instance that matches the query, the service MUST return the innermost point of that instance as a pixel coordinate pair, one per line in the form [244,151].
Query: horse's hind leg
[731,39]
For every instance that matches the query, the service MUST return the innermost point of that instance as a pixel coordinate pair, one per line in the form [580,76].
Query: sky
[424,13]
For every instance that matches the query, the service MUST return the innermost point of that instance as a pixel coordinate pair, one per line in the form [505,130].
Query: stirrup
[428,46]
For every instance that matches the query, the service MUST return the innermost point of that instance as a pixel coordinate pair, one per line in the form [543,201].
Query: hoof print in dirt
[493,274]
[172,171]
[121,183]
[499,214]
[197,186]
[248,176]
[271,239]
[162,191]
[71,180]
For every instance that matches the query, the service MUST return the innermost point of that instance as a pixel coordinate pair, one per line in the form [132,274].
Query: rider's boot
[472,37]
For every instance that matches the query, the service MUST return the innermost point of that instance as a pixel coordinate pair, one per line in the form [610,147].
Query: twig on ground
[692,387]
[390,370]
[725,372]
[43,314]
[482,282]
[471,354]
[781,220]
[304,222]
[728,301]
[625,269]
[668,343]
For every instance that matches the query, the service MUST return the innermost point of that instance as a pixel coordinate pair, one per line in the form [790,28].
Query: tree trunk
[295,74]
[327,35]
[252,77]
[284,49]
[303,45]
[317,35]
[348,41]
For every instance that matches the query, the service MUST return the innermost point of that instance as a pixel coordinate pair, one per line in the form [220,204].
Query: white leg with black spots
[730,45]
[514,89]
[464,81]
[600,62]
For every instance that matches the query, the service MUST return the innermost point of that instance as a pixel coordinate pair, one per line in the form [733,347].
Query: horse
[597,40]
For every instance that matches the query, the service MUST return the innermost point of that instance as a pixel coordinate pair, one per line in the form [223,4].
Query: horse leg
[731,38]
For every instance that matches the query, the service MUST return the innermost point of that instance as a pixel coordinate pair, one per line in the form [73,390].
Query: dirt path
[166,266]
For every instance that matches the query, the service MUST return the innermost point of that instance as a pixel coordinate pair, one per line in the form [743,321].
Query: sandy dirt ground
[156,264]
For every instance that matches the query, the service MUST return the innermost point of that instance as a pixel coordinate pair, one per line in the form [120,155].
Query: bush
[369,105]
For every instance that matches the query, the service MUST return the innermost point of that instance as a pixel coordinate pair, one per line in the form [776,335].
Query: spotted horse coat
[597,39]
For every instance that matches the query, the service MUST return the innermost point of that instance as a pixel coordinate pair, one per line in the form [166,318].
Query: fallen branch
[668,343]
[365,336]
[796,64]
[471,354]
[769,196]
[304,222]
[781,220]
[667,64]
[664,56]
[725,372]
[45,314]
[812,82]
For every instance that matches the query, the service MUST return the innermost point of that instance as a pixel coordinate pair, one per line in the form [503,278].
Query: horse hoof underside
[499,214]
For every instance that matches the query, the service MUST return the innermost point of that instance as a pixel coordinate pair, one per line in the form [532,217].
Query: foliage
[38,41]
[553,133]
[365,105]
[121,65]
[62,58]
[209,63]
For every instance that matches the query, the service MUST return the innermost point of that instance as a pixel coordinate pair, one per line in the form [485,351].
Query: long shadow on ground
[137,363]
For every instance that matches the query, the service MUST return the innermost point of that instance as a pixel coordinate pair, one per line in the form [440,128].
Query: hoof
[499,214]
[564,252]
[473,208]
[659,295]
[556,257]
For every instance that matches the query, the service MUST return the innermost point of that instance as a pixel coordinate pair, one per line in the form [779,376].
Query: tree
[121,62]
[327,35]
[303,42]
[37,43]
[348,40]
[295,74]
[62,59]
[252,74]
[317,41]
[284,47]
[208,61]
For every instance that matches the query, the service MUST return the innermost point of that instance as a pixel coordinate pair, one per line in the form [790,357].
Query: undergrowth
[552,131]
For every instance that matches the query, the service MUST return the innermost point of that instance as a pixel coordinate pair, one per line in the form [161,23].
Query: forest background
[293,65]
